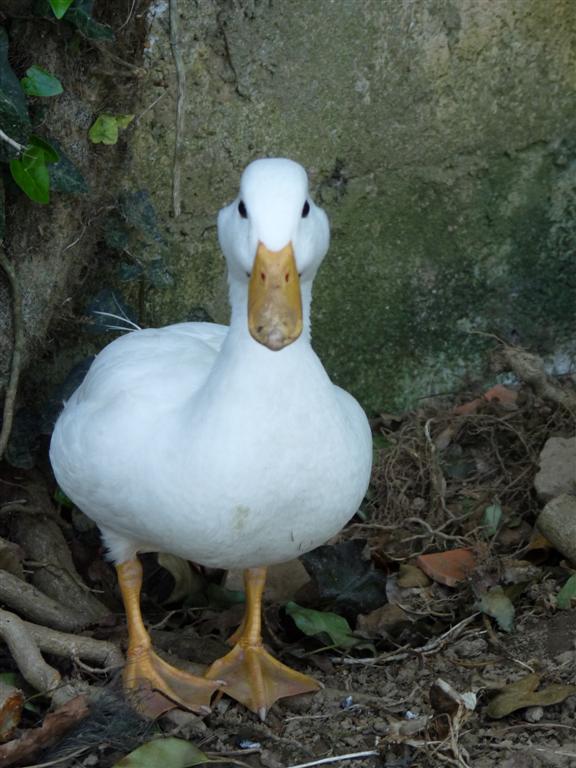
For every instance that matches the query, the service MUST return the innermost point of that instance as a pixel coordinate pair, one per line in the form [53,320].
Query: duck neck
[244,366]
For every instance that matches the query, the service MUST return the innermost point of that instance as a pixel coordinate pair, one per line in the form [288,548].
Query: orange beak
[274,301]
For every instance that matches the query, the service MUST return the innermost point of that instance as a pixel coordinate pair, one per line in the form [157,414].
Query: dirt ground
[417,684]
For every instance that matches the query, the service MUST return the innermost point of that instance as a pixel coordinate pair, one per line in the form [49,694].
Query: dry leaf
[450,567]
[523,694]
[11,703]
[54,726]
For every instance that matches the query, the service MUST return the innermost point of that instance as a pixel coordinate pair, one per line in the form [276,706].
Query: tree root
[54,572]
[40,675]
[75,646]
[17,351]
[30,602]
[530,369]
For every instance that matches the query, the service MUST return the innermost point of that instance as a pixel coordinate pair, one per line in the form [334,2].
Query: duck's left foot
[256,679]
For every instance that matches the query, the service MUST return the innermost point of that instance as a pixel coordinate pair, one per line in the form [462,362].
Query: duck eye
[242,209]
[306,209]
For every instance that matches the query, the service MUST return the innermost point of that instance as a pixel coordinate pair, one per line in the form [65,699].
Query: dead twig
[338,758]
[180,105]
[17,350]
[12,142]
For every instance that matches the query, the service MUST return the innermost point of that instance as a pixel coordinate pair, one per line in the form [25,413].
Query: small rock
[471,648]
[557,522]
[534,714]
[557,473]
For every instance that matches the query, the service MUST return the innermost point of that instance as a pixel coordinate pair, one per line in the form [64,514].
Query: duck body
[195,440]
[226,446]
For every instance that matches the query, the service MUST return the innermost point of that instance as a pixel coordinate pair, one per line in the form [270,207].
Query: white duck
[226,446]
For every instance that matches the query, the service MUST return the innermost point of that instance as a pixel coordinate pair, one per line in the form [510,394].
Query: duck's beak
[274,301]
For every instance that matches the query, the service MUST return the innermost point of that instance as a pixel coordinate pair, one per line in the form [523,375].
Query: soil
[436,472]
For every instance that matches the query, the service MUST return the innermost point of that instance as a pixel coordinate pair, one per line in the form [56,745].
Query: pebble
[534,714]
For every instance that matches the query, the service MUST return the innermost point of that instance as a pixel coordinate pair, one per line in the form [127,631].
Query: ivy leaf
[59,7]
[491,519]
[50,153]
[65,176]
[314,623]
[30,171]
[39,82]
[106,127]
[169,752]
[345,579]
[14,117]
[138,210]
[80,14]
[567,594]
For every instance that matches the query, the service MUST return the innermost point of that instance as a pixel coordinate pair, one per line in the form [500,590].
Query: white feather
[196,440]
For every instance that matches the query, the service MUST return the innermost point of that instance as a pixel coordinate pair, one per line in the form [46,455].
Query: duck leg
[145,670]
[252,676]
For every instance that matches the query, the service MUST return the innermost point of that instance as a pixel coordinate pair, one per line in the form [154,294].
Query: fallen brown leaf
[523,693]
[449,567]
[31,741]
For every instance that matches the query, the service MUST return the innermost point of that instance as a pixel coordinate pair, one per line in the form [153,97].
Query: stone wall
[438,135]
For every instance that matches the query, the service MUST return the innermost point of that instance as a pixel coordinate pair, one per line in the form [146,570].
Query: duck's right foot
[145,673]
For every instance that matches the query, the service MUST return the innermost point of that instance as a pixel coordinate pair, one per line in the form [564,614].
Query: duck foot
[257,680]
[146,675]
[252,676]
[151,683]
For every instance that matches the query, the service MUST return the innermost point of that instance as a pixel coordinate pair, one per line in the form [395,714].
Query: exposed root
[17,350]
[30,602]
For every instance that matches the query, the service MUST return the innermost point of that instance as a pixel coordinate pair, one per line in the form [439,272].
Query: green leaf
[105,128]
[50,154]
[14,117]
[497,604]
[158,273]
[39,82]
[346,580]
[169,753]
[567,594]
[491,519]
[30,172]
[314,623]
[61,499]
[80,15]
[59,7]
[124,121]
[138,210]
[221,598]
[65,176]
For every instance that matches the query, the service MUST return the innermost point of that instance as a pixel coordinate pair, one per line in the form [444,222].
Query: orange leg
[145,670]
[252,676]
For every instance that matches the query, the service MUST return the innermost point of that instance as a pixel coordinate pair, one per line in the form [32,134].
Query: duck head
[274,238]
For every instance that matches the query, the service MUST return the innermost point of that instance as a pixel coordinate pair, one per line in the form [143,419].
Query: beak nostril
[287,277]
[263,277]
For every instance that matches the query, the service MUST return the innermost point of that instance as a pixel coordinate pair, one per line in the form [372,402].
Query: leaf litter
[440,623]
